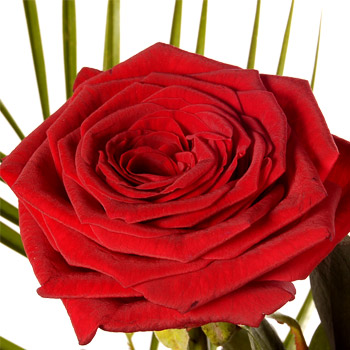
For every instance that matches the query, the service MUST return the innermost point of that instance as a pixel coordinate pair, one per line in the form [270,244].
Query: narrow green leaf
[69,44]
[2,156]
[130,343]
[7,345]
[302,318]
[254,41]
[11,121]
[197,339]
[37,52]
[330,285]
[319,340]
[8,211]
[283,55]
[176,26]
[154,342]
[175,339]
[11,239]
[264,337]
[299,339]
[316,56]
[112,36]
[202,29]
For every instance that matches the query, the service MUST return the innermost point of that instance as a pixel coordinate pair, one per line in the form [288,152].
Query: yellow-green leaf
[219,332]
[254,40]
[176,26]
[202,29]
[175,339]
[316,56]
[283,55]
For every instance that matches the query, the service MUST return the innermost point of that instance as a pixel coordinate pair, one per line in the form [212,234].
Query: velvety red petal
[303,114]
[247,305]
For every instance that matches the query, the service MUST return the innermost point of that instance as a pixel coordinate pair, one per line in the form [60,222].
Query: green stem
[202,29]
[8,211]
[11,239]
[112,36]
[154,342]
[316,56]
[283,55]
[37,52]
[7,345]
[302,318]
[198,340]
[69,44]
[11,121]
[254,41]
[176,26]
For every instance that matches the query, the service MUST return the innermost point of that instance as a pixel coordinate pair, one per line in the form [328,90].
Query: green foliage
[219,332]
[202,29]
[8,211]
[283,55]
[175,339]
[10,120]
[319,340]
[11,239]
[330,284]
[37,52]
[7,345]
[176,26]
[316,56]
[254,41]
[69,44]
[112,37]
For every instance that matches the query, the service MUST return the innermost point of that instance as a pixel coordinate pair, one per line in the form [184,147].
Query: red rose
[173,190]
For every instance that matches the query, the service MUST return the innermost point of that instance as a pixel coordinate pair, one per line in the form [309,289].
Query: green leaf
[300,343]
[197,339]
[175,339]
[219,332]
[316,56]
[69,44]
[11,121]
[154,342]
[11,239]
[254,40]
[238,341]
[264,337]
[37,52]
[330,284]
[2,156]
[130,343]
[202,29]
[319,340]
[112,37]
[302,318]
[7,345]
[176,26]
[8,211]
[283,55]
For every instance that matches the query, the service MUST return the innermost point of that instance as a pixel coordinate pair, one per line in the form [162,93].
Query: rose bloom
[173,190]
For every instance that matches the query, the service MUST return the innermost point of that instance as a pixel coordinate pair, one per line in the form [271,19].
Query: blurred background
[36,323]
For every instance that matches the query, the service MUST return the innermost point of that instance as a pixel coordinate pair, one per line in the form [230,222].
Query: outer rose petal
[247,305]
[305,118]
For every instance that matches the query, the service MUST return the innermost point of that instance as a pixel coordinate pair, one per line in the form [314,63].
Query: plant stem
[8,211]
[37,52]
[112,36]
[11,239]
[202,29]
[69,44]
[254,41]
[11,121]
[176,26]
